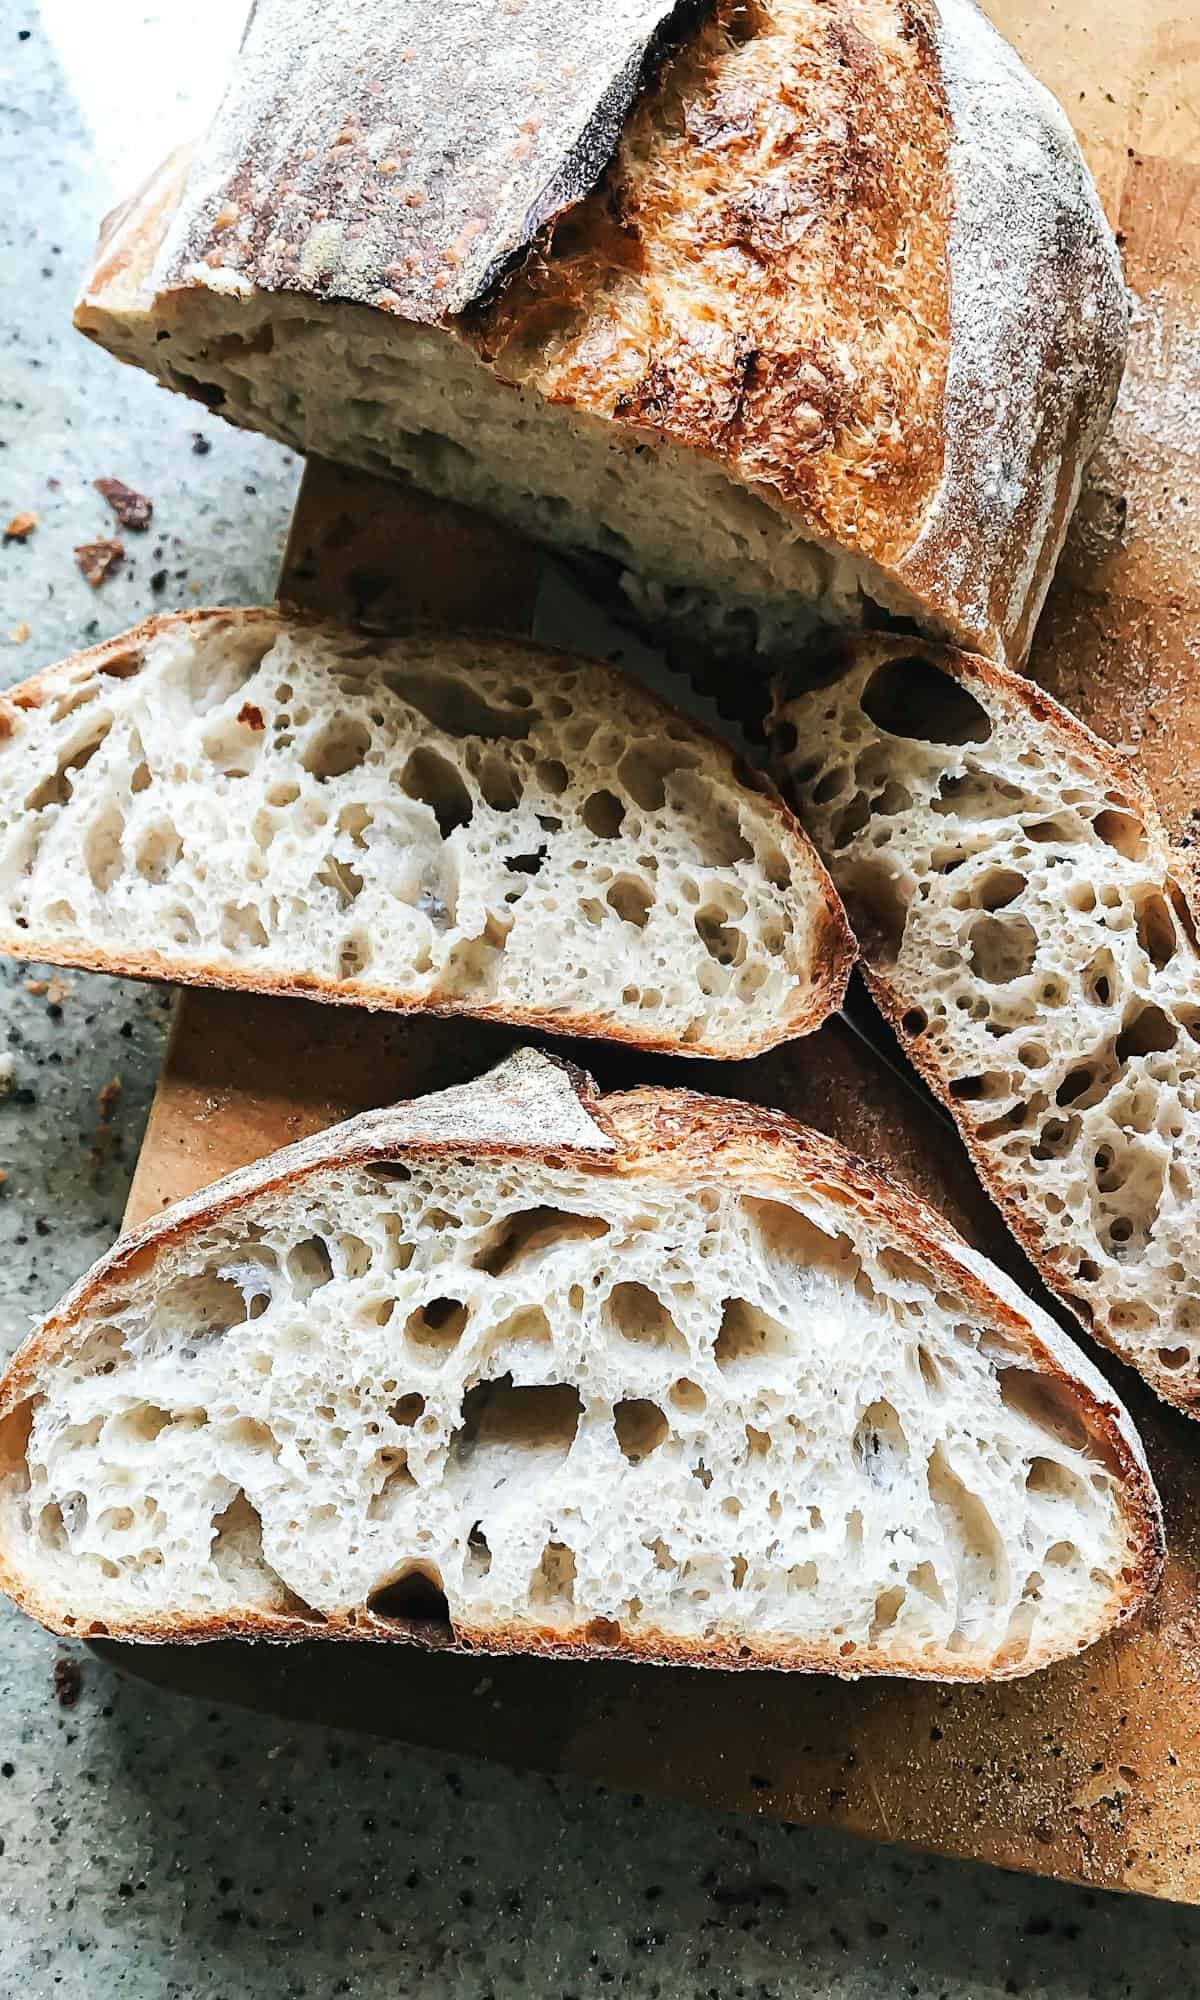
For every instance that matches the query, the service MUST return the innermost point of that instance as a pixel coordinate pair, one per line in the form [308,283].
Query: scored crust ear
[530,1103]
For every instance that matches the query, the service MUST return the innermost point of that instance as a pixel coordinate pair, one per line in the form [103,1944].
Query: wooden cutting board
[1092,1770]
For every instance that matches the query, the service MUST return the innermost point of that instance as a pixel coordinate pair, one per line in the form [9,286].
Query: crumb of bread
[97,560]
[133,510]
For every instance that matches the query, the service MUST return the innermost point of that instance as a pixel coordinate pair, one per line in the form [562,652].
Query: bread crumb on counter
[133,510]
[97,560]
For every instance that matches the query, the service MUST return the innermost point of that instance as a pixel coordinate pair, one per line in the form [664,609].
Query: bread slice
[463,823]
[1027,930]
[833,336]
[513,1367]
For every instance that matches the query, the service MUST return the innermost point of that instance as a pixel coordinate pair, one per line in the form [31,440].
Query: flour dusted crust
[836,331]
[667,1377]
[1031,936]
[453,822]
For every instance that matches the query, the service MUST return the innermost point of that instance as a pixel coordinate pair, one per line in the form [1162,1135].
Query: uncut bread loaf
[831,338]
[516,1368]
[1029,934]
[463,823]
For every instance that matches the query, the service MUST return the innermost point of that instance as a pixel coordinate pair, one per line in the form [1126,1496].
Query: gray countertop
[152,1846]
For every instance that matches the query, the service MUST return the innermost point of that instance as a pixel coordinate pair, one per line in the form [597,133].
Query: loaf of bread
[829,342]
[466,824]
[516,1368]
[1028,932]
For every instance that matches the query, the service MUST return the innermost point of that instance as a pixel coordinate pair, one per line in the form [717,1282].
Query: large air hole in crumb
[748,1336]
[158,849]
[723,942]
[639,1316]
[397,1480]
[242,929]
[437,1326]
[640,1426]
[879,1445]
[1053,1480]
[1147,1032]
[997,888]
[309,1265]
[1122,831]
[206,1303]
[498,1419]
[346,883]
[971,1536]
[457,707]
[58,787]
[1048,1405]
[644,769]
[339,747]
[911,698]
[433,781]
[102,855]
[788,1239]
[413,1595]
[888,1606]
[631,900]
[602,814]
[500,783]
[533,1232]
[1002,949]
[528,1328]
[552,1586]
[1156,929]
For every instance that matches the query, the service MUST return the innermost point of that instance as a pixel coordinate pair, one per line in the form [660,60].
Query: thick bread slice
[513,1368]
[462,823]
[1027,930]
[836,331]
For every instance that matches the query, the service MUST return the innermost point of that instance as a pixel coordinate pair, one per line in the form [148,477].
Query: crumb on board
[57,991]
[68,1679]
[37,987]
[99,559]
[19,633]
[21,526]
[7,1072]
[108,1098]
[132,509]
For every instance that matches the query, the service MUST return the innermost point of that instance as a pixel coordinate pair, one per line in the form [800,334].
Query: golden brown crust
[675,1135]
[832,950]
[763,276]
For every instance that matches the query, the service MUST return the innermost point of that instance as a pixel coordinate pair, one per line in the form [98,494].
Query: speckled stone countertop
[150,1846]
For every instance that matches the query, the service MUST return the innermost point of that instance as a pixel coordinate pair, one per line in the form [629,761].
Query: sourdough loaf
[461,823]
[831,339]
[513,1367]
[1027,930]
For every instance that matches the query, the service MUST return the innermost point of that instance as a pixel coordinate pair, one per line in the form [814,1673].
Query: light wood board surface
[1092,1770]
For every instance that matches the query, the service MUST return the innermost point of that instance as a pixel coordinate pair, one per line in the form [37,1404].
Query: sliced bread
[463,823]
[517,1367]
[1027,930]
